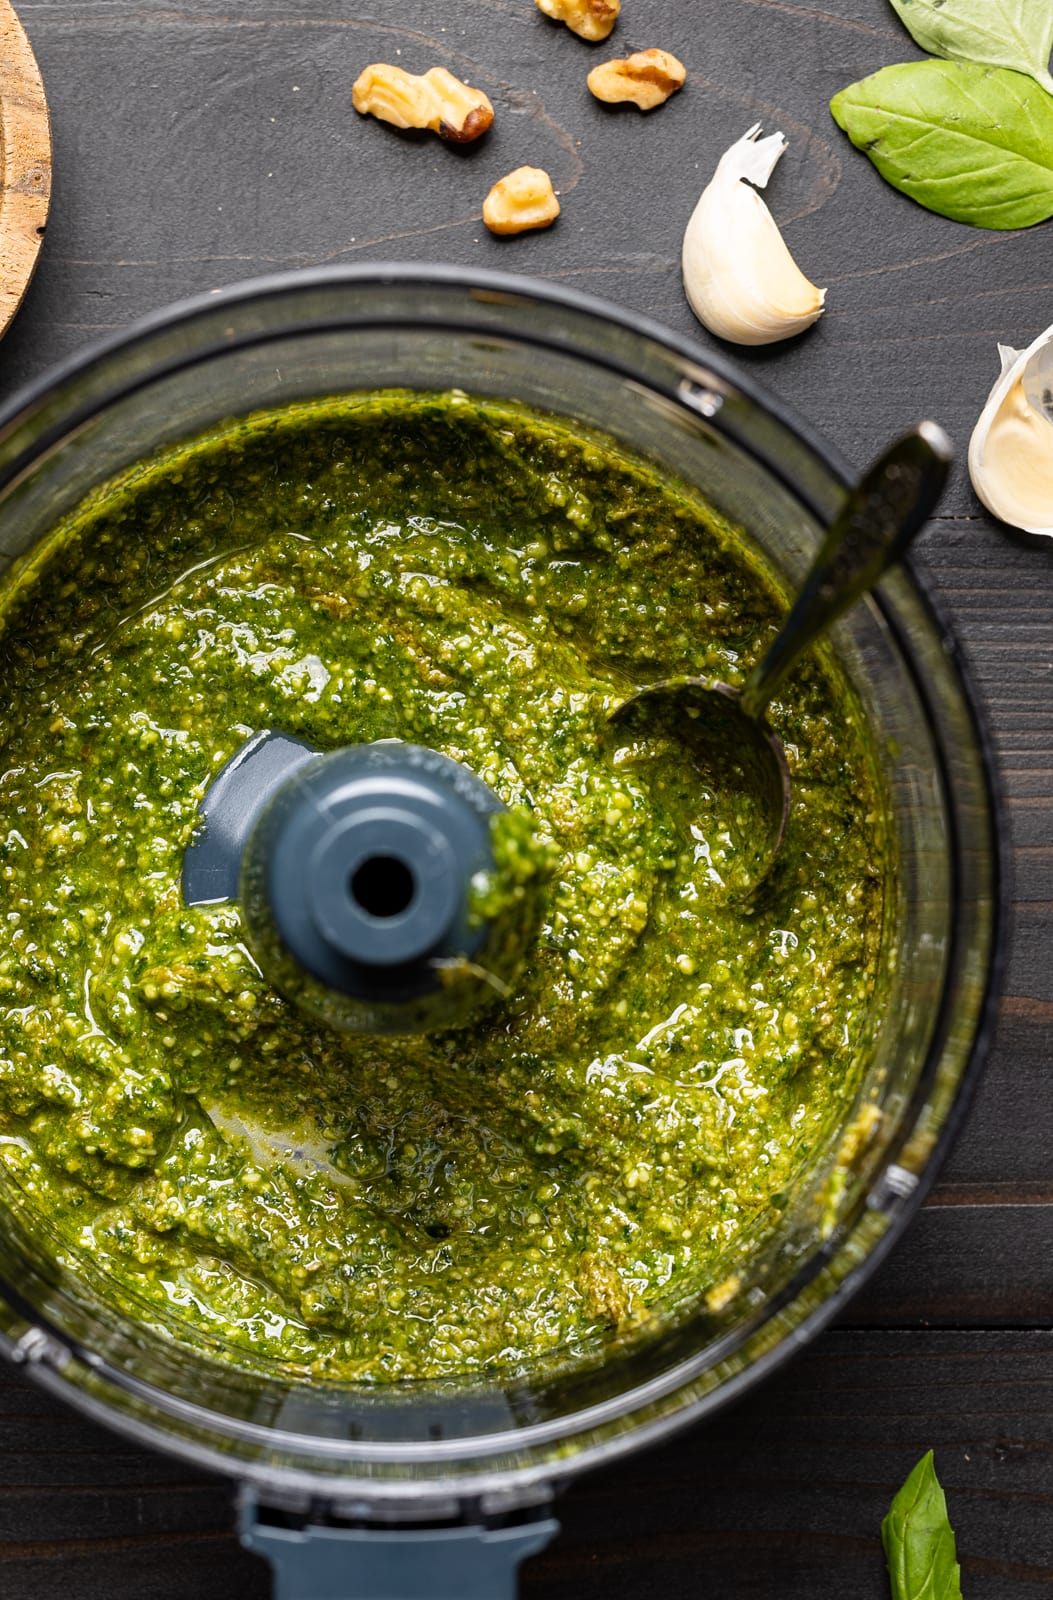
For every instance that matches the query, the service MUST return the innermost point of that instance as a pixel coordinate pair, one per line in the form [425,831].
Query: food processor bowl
[442,1487]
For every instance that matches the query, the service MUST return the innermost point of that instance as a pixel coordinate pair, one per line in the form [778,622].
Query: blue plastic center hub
[365,859]
[354,872]
[383,885]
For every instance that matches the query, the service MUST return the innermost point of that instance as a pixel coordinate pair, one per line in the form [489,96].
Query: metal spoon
[724,729]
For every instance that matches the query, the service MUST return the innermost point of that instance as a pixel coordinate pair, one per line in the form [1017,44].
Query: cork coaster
[25,163]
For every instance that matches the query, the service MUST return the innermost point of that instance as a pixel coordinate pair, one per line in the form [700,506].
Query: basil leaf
[971,142]
[997,33]
[919,1540]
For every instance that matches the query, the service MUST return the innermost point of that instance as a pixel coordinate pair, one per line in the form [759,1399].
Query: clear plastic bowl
[417,1449]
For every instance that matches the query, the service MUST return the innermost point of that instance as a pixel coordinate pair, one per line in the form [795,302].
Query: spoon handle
[873,528]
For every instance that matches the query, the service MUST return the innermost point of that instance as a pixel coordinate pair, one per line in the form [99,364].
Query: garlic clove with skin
[1011,450]
[741,280]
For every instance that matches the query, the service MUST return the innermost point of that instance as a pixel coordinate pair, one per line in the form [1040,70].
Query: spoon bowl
[723,730]
[744,777]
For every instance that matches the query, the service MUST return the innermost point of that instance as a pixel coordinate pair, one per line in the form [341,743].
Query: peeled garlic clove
[1011,450]
[740,278]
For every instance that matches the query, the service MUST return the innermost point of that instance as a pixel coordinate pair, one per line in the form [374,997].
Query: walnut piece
[524,199]
[647,79]
[589,19]
[435,100]
[605,1294]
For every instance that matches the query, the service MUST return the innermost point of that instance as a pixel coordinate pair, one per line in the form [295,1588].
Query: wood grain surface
[780,1498]
[25,163]
[197,144]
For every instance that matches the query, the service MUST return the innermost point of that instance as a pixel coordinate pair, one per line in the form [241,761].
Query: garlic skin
[1011,450]
[740,278]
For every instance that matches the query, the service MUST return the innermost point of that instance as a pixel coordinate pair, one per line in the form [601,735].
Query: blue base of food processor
[318,1561]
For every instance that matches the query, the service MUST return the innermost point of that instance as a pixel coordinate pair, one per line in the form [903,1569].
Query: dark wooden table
[196,145]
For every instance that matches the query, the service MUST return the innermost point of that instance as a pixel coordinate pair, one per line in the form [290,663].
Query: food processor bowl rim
[519,286]
[19,409]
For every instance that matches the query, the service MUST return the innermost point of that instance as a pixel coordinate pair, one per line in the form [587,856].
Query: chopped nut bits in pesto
[604,1143]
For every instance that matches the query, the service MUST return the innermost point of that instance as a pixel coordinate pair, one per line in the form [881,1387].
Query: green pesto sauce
[606,1142]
